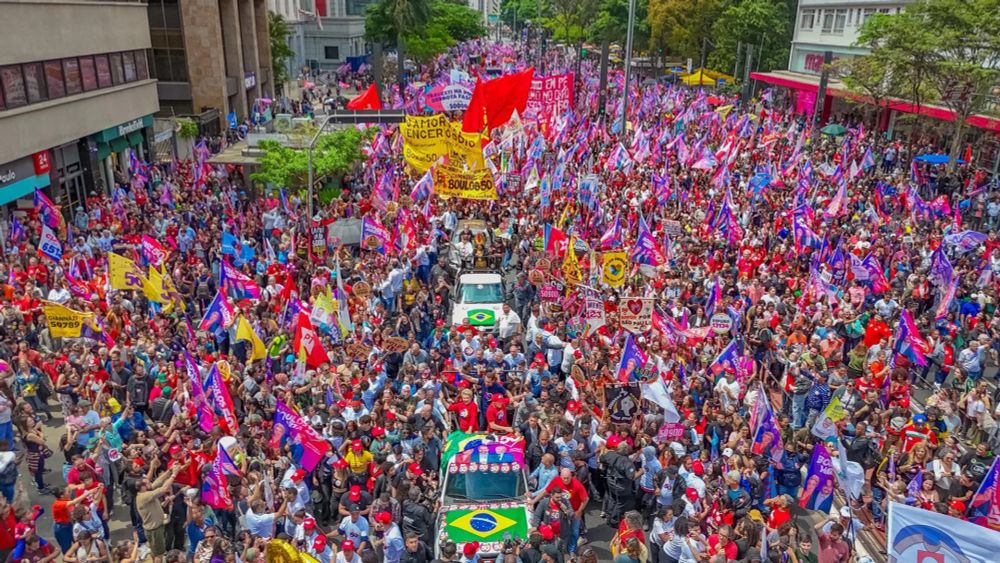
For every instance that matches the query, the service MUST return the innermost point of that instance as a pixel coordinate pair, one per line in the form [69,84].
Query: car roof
[480,278]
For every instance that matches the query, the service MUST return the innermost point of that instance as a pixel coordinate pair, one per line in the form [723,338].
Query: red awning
[785,81]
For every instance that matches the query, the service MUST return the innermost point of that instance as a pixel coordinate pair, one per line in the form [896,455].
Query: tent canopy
[705,77]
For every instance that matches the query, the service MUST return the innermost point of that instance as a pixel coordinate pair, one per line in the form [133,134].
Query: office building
[76,95]
[211,57]
[324,33]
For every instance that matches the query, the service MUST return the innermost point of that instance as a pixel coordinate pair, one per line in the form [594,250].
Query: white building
[339,33]
[490,10]
[830,25]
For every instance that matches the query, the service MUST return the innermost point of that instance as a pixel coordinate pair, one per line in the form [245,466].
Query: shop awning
[788,79]
[118,144]
[103,151]
[135,139]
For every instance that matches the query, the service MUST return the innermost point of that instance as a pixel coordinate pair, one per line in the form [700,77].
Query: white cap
[728,452]
[845,512]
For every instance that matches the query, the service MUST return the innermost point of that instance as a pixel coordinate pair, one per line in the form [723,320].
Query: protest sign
[636,314]
[456,182]
[915,534]
[64,322]
[613,268]
[549,96]
[670,432]
[622,402]
[455,97]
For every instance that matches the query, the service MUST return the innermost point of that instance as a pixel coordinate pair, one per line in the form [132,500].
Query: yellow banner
[571,266]
[124,274]
[427,138]
[64,322]
[455,182]
[613,268]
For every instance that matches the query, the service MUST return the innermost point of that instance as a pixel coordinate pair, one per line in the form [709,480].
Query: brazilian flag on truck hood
[482,317]
[485,525]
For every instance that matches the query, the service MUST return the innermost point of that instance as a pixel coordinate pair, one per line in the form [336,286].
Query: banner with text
[450,181]
[549,96]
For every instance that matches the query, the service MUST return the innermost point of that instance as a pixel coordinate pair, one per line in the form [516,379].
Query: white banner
[923,536]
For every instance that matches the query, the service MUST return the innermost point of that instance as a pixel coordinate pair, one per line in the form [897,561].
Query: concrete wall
[36,30]
[37,127]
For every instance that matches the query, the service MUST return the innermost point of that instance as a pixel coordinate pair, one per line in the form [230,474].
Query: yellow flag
[835,411]
[175,296]
[64,322]
[124,274]
[153,288]
[571,266]
[614,267]
[245,332]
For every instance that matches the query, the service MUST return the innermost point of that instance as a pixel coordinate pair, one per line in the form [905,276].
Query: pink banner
[549,96]
[805,102]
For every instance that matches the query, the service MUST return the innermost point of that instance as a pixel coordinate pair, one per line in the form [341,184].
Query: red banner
[549,96]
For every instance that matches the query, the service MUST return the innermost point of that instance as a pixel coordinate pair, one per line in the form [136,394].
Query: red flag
[366,100]
[307,343]
[498,98]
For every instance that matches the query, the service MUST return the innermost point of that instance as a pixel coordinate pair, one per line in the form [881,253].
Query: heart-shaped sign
[634,305]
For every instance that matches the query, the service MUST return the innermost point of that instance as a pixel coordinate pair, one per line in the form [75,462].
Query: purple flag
[820,484]
[214,488]
[206,416]
[289,425]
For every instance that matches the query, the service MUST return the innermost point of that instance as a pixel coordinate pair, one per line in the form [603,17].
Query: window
[34,80]
[88,73]
[117,75]
[54,79]
[331,52]
[357,7]
[839,21]
[13,86]
[71,68]
[128,60]
[808,20]
[864,15]
[140,65]
[827,21]
[103,71]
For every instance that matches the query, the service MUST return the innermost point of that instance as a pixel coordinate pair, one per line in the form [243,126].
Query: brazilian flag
[482,317]
[486,524]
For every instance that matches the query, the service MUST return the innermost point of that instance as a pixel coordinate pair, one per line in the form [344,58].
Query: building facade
[211,57]
[825,25]
[74,101]
[324,33]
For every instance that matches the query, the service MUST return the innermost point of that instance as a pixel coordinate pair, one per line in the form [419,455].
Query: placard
[536,277]
[673,228]
[362,289]
[670,432]
[549,96]
[549,292]
[358,350]
[455,182]
[721,323]
[395,344]
[636,314]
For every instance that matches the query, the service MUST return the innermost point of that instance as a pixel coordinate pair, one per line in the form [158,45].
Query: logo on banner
[614,267]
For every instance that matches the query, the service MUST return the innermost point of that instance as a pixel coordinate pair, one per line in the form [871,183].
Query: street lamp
[309,160]
[628,60]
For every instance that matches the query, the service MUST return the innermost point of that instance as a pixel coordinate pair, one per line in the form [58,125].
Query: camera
[511,545]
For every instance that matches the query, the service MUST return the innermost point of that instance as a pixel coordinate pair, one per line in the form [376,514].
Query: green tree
[335,153]
[939,50]
[428,28]
[762,23]
[684,25]
[611,23]
[280,51]
[525,10]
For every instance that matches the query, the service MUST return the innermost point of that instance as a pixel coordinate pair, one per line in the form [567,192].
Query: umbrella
[834,130]
[938,158]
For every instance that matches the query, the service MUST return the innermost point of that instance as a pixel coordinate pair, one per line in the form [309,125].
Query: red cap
[319,544]
[493,342]
[357,445]
[355,493]
[309,523]
[956,505]
[298,475]
[613,441]
[340,464]
[691,493]
[698,467]
[390,416]
[415,469]
[347,545]
[175,449]
[378,432]
[470,549]
[383,517]
[573,406]
[342,404]
[539,356]
[546,531]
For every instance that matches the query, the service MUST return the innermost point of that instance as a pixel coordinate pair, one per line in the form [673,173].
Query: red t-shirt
[730,551]
[468,416]
[497,415]
[577,494]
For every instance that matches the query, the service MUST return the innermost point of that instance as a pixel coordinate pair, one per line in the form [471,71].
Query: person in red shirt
[722,543]
[467,412]
[496,415]
[578,499]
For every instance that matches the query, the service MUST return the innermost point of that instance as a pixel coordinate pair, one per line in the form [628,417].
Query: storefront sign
[130,127]
[18,178]
[123,129]
[41,162]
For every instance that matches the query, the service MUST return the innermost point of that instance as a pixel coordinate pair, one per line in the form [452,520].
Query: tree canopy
[280,51]
[934,50]
[427,28]
[335,153]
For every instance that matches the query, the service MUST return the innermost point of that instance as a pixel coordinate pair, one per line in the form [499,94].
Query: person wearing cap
[355,496]
[348,552]
[578,499]
[851,525]
[470,552]
[957,509]
[354,527]
[390,540]
[358,459]
[917,432]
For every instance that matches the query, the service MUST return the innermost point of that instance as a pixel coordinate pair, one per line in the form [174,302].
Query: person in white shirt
[60,294]
[348,553]
[508,323]
[728,389]
[354,528]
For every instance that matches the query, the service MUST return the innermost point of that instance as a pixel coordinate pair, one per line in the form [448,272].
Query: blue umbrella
[938,158]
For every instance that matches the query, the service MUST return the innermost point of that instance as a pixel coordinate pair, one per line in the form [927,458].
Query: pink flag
[153,251]
[214,488]
[206,416]
[223,402]
[289,425]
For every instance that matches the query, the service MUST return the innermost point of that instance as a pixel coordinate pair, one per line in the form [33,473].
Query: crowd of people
[827,254]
